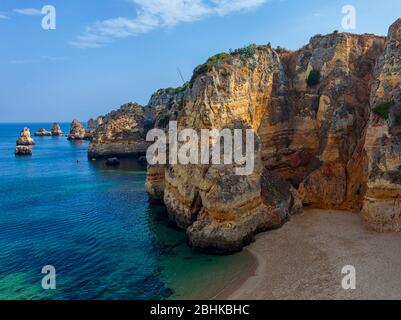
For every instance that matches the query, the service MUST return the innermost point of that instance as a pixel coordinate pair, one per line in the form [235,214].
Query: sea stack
[42,132]
[77,131]
[25,138]
[56,130]
[23,151]
[24,143]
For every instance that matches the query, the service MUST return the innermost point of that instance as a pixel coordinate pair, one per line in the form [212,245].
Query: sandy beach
[304,259]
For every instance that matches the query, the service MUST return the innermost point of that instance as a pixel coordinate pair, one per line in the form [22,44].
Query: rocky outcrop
[164,106]
[311,133]
[25,138]
[120,133]
[77,132]
[382,202]
[93,125]
[327,121]
[23,151]
[24,143]
[56,130]
[221,210]
[42,132]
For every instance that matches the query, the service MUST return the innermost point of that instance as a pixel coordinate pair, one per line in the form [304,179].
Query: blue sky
[108,52]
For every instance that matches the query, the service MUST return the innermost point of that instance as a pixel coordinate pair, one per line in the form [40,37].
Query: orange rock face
[319,143]
[382,202]
[311,134]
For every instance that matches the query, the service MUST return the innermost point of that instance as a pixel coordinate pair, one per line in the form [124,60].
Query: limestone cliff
[319,139]
[165,106]
[327,122]
[221,210]
[382,202]
[311,133]
[120,133]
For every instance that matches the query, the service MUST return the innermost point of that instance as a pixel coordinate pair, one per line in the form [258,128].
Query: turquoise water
[95,226]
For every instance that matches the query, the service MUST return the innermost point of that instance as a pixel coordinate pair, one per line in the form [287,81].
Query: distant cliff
[328,123]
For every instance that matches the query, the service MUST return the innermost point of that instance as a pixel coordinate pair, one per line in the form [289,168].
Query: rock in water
[56,130]
[113,162]
[23,151]
[25,138]
[42,132]
[120,133]
[77,131]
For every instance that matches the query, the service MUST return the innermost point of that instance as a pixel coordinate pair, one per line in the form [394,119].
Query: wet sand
[304,260]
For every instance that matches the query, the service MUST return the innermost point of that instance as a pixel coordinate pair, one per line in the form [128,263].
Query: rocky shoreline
[314,138]
[327,119]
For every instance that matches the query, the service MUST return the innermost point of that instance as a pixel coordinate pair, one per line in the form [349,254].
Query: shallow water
[95,226]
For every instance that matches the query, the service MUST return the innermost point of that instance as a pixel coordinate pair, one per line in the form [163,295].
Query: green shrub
[281,50]
[148,125]
[209,64]
[163,121]
[382,109]
[335,31]
[313,78]
[245,52]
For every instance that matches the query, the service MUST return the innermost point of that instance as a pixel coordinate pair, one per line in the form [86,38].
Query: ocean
[94,224]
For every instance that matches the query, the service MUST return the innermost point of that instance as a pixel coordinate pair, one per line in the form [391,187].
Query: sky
[104,53]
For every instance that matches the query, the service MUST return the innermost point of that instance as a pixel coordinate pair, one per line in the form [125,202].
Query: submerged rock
[56,130]
[25,138]
[23,151]
[120,133]
[42,132]
[77,132]
[112,162]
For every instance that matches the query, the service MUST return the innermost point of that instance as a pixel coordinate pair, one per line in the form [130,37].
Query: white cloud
[3,16]
[154,14]
[29,11]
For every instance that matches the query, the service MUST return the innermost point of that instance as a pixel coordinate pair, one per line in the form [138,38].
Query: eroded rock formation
[165,106]
[333,142]
[121,133]
[77,132]
[312,133]
[56,130]
[24,143]
[23,151]
[25,138]
[42,132]
[382,202]
[220,209]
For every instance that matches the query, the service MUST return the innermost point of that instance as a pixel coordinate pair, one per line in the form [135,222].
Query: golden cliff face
[311,133]
[320,141]
[382,205]
[221,210]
